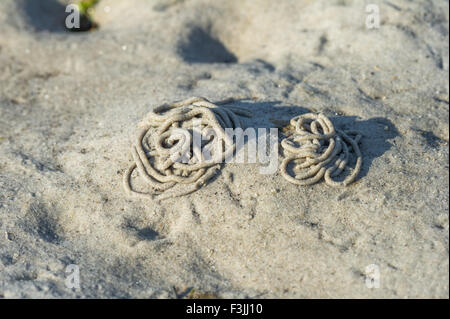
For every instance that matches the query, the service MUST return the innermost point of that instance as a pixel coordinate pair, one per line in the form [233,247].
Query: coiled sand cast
[166,155]
[318,151]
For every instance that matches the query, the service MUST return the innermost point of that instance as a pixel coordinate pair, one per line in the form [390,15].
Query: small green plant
[86,6]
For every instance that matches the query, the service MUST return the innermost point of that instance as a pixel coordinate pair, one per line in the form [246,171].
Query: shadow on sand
[49,16]
[376,132]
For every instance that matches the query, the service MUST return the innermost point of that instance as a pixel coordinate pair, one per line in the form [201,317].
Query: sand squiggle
[165,153]
[319,151]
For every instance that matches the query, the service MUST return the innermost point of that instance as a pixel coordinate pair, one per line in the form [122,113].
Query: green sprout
[85,6]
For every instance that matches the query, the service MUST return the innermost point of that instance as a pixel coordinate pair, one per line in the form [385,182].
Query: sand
[69,107]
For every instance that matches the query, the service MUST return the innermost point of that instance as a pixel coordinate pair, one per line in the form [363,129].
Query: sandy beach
[70,104]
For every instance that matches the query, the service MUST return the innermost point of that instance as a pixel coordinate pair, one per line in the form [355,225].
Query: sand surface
[70,104]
